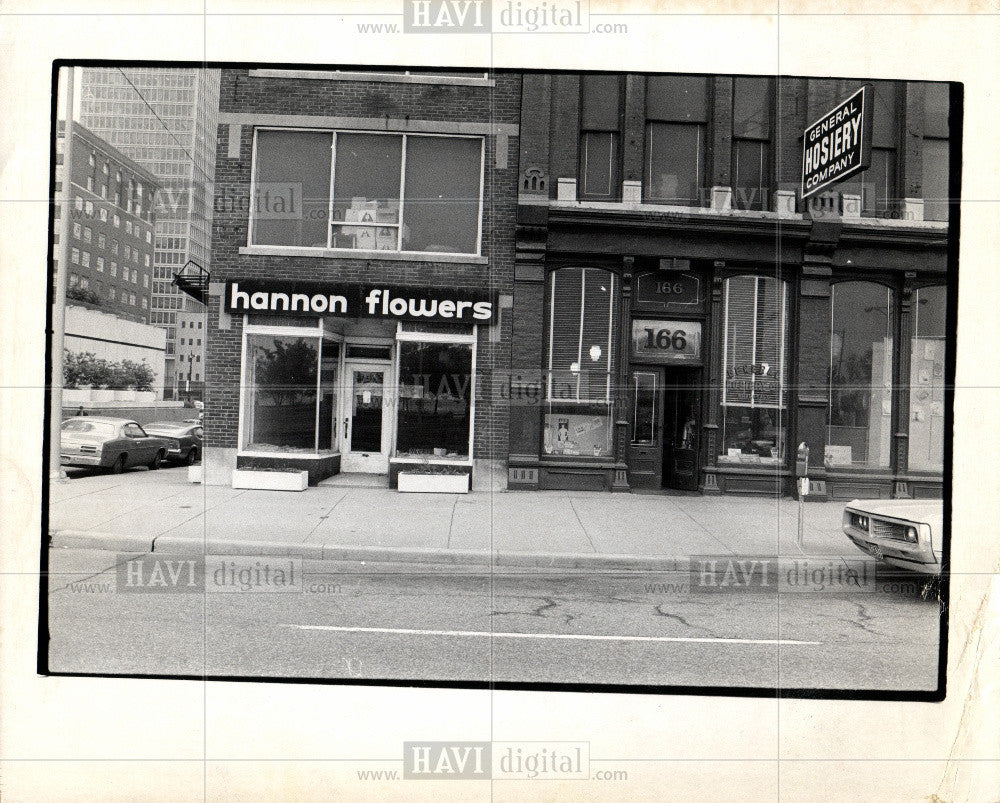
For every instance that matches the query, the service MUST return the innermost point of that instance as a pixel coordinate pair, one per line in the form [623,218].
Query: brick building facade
[109,254]
[688,319]
[333,186]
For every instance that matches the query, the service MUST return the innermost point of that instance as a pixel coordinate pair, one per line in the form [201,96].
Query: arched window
[755,389]
[581,327]
[927,375]
[859,417]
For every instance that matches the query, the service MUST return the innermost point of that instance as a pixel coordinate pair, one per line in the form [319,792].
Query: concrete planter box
[433,483]
[196,473]
[102,395]
[124,395]
[270,480]
[145,396]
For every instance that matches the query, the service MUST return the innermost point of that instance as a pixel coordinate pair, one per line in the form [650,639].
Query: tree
[86,369]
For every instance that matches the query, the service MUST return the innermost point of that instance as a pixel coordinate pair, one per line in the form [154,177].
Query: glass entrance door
[366,419]
[681,404]
[646,449]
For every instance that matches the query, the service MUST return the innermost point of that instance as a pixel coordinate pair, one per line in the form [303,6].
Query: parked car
[904,533]
[184,439]
[109,443]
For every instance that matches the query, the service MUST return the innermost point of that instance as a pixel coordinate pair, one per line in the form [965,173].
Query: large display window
[859,417]
[434,416]
[755,390]
[927,377]
[577,420]
[289,391]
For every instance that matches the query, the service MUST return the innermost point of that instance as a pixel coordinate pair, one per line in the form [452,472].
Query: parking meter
[802,472]
[802,461]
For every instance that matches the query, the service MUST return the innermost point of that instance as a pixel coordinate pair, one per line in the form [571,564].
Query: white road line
[568,636]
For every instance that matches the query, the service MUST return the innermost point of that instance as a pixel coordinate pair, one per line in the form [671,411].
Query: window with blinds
[581,326]
[754,392]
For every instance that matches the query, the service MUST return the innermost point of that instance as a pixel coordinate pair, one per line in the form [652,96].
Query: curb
[481,558]
[85,539]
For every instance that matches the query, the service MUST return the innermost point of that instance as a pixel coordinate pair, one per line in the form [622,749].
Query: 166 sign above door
[666,342]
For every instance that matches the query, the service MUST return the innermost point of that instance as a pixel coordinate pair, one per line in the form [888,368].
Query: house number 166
[665,339]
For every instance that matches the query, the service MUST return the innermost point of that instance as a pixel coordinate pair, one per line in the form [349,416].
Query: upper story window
[367,192]
[751,168]
[600,134]
[935,152]
[877,185]
[676,120]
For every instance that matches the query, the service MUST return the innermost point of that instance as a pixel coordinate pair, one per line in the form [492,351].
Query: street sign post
[839,144]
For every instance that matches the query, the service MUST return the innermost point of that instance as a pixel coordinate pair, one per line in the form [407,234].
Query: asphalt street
[400,622]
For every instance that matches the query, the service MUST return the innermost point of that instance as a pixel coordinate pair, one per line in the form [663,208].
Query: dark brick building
[109,253]
[687,319]
[362,271]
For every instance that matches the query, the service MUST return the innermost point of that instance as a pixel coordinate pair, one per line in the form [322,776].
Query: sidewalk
[161,511]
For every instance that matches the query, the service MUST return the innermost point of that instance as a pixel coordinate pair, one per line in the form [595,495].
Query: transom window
[367,192]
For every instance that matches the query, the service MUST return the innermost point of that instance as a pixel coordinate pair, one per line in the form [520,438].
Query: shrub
[88,369]
[79,294]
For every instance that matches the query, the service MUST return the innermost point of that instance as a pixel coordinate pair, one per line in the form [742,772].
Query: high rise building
[165,119]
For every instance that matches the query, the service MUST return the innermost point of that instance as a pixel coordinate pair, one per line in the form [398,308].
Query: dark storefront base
[528,474]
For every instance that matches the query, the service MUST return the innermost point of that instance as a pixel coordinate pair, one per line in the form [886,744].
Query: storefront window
[755,391]
[927,355]
[282,392]
[435,399]
[577,417]
[284,409]
[860,413]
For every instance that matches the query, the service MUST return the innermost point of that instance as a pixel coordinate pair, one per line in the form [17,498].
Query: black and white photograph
[573,400]
[534,378]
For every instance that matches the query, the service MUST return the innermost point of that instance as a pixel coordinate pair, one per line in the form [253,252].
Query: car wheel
[155,462]
[119,465]
[192,456]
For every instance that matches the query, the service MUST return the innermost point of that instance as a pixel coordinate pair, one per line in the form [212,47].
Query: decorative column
[619,377]
[901,392]
[713,383]
[812,374]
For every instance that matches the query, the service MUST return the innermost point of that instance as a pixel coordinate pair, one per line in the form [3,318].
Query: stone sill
[339,253]
[665,209]
[386,78]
